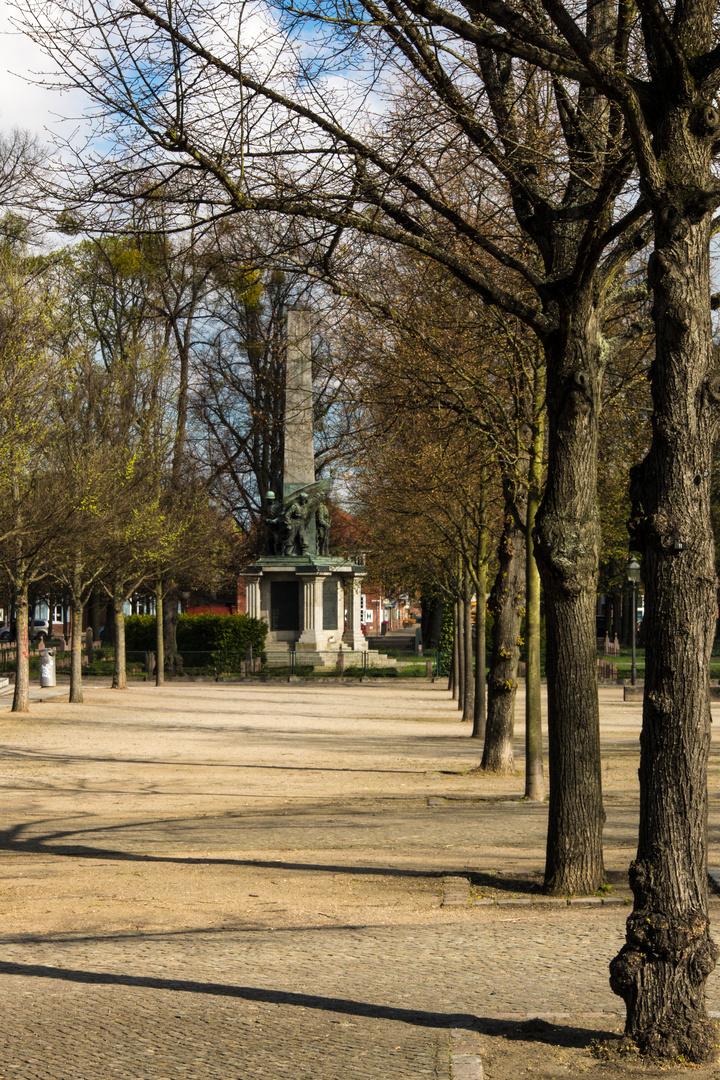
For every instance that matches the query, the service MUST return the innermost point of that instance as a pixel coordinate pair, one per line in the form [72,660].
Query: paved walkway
[215,882]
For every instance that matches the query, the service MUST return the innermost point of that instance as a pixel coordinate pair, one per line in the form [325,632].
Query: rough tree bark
[467,640]
[76,638]
[506,605]
[21,694]
[119,680]
[159,639]
[534,773]
[173,659]
[432,608]
[662,969]
[567,549]
[94,612]
[76,643]
[459,637]
[454,677]
[480,685]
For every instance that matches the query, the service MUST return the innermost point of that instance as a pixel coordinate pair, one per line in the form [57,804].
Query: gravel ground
[215,881]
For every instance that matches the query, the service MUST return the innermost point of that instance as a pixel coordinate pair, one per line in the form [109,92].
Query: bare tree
[418,338]
[238,393]
[240,133]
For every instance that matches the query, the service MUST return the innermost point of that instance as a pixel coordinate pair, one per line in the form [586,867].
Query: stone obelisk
[310,601]
[299,456]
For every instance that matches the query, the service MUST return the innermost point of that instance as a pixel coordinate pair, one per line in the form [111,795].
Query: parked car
[39,630]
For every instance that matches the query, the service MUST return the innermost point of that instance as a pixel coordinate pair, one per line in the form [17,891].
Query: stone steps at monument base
[280,657]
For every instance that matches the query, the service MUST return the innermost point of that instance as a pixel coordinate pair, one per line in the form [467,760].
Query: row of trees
[530,152]
[143,418]
[88,499]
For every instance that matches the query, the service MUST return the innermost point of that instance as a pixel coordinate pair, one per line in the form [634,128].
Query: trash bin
[47,667]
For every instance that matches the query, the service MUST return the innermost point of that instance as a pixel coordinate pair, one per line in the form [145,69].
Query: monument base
[327,660]
[312,605]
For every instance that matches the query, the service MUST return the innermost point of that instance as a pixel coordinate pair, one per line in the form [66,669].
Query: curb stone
[465,1051]
[456,893]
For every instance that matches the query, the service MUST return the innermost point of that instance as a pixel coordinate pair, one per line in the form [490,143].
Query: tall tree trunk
[119,681]
[459,636]
[534,773]
[506,606]
[480,703]
[94,612]
[159,640]
[662,970]
[468,666]
[173,660]
[454,680]
[76,643]
[453,674]
[614,625]
[432,607]
[567,550]
[21,694]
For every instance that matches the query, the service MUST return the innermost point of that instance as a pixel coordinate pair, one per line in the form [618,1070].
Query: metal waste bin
[47,667]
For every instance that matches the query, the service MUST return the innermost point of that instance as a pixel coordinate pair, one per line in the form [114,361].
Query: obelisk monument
[299,455]
[310,600]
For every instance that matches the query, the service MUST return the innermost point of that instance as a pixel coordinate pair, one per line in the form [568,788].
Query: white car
[39,630]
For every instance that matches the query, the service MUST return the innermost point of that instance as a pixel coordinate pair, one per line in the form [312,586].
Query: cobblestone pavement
[230,883]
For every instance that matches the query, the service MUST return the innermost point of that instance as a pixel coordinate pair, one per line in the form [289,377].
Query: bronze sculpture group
[287,525]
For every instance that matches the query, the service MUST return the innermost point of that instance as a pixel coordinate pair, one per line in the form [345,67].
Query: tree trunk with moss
[567,546]
[159,638]
[173,659]
[76,644]
[21,694]
[534,771]
[460,638]
[76,639]
[506,606]
[480,705]
[119,681]
[468,658]
[662,970]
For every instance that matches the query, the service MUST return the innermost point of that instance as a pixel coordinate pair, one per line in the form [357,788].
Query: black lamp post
[633,576]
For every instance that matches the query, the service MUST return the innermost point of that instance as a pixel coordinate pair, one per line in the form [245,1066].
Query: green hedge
[200,633]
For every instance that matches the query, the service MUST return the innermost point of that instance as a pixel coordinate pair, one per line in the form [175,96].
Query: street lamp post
[633,576]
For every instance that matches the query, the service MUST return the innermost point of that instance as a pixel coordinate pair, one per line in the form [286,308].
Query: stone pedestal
[303,600]
[315,636]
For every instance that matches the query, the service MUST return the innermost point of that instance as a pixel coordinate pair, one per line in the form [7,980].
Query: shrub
[229,633]
[140,633]
[200,633]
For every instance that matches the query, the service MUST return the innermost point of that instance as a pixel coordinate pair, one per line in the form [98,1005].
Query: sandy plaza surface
[215,881]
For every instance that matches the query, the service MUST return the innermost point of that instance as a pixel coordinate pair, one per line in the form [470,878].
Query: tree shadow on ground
[176,763]
[530,884]
[12,841]
[537,1030]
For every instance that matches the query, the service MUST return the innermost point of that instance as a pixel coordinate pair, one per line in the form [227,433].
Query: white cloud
[24,103]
